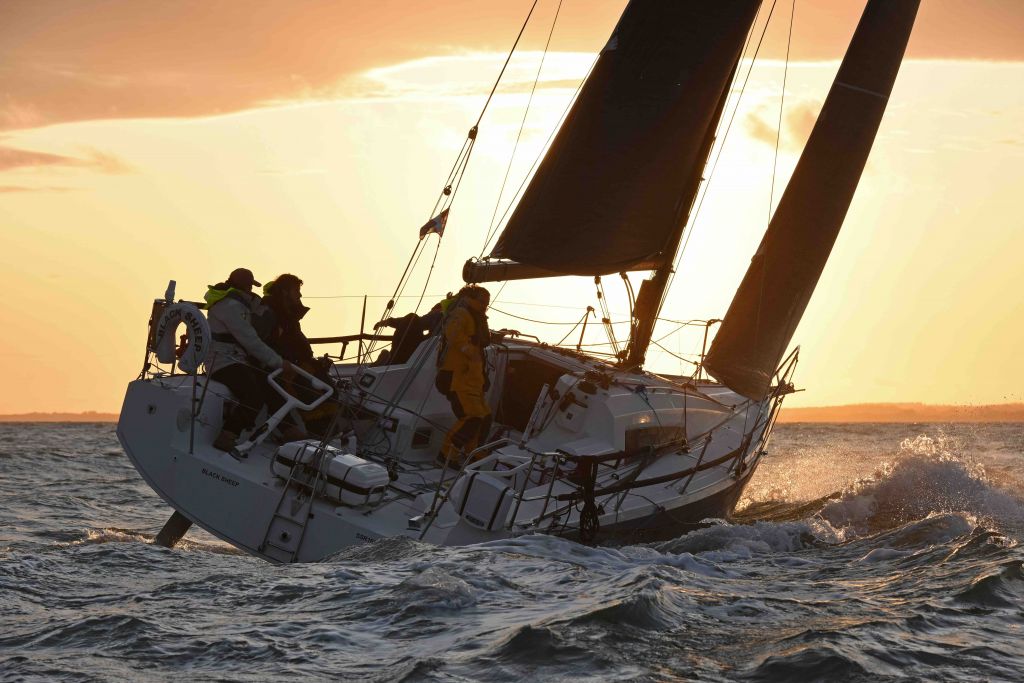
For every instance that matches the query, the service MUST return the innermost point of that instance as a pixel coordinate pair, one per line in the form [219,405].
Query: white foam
[926,478]
[436,588]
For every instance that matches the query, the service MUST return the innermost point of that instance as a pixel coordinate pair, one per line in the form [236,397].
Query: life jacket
[217,293]
[446,304]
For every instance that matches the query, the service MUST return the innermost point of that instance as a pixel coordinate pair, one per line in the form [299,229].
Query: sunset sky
[142,142]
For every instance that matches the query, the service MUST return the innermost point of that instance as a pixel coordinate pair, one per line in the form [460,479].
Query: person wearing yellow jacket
[462,372]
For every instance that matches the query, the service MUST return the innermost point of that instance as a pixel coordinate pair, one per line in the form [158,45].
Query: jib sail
[785,269]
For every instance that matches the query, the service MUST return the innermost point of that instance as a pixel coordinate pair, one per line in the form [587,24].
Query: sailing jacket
[462,348]
[234,338]
[284,330]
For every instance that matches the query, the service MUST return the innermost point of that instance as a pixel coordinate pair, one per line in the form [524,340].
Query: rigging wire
[458,170]
[455,176]
[494,299]
[543,149]
[724,137]
[775,164]
[426,282]
[546,322]
[728,128]
[676,355]
[505,65]
[522,125]
[782,102]
[531,320]
[360,296]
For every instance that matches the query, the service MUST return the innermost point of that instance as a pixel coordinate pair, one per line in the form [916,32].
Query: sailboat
[596,449]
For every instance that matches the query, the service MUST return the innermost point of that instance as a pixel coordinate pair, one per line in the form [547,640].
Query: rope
[578,323]
[606,315]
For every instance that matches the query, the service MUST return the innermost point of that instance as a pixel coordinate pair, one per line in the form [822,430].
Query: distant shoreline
[905,412]
[858,412]
[88,416]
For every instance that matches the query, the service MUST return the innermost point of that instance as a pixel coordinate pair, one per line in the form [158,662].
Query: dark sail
[783,273]
[619,179]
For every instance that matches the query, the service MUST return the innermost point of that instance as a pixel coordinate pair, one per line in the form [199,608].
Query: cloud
[758,128]
[105,163]
[797,122]
[12,158]
[111,59]
[19,188]
[470,74]
[800,120]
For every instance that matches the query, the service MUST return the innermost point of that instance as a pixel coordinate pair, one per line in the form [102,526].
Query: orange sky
[146,141]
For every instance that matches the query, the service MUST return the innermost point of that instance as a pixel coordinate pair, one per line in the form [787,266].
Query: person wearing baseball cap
[239,358]
[242,278]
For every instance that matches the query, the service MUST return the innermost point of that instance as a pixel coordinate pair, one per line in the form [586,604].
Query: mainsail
[615,188]
[785,269]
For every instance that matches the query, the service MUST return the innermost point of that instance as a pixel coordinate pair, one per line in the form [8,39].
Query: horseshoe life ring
[199,336]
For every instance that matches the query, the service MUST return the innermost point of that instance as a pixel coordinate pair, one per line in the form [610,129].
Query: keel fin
[174,530]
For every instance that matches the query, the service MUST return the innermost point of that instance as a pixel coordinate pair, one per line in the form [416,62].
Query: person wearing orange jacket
[462,373]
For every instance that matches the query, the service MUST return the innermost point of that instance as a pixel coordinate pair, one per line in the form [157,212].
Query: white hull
[246,504]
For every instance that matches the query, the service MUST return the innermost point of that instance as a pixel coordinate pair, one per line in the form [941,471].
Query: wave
[1001,587]
[928,476]
[925,479]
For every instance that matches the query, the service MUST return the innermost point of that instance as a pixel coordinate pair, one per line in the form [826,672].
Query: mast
[785,269]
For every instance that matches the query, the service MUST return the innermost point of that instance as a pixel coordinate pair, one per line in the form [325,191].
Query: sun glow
[921,287]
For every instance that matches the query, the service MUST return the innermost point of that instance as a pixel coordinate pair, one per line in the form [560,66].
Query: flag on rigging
[435,224]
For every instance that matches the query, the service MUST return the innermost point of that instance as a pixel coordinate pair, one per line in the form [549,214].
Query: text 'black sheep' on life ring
[199,337]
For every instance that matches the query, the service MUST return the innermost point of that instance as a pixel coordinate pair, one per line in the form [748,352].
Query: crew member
[411,330]
[280,318]
[239,359]
[462,373]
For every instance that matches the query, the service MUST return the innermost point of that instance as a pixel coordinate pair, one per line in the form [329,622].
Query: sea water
[859,552]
